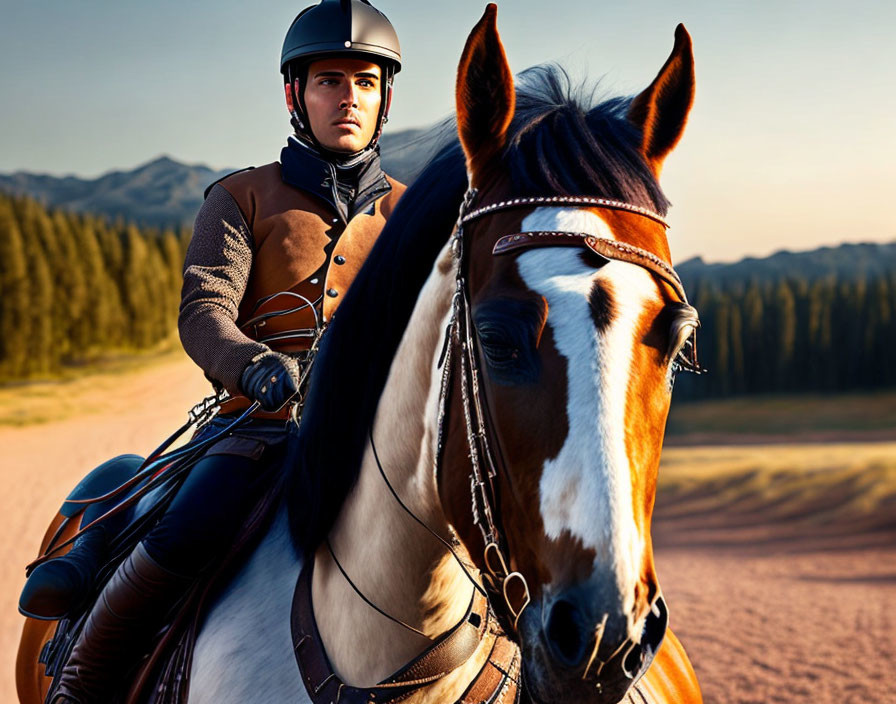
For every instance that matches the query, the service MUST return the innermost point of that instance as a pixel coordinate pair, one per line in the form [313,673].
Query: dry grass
[812,417]
[93,388]
[806,492]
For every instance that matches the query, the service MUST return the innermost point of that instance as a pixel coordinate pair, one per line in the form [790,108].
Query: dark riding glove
[271,379]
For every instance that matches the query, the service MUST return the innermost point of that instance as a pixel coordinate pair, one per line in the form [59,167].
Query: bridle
[500,581]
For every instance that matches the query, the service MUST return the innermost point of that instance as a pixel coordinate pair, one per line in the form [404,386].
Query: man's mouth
[345,121]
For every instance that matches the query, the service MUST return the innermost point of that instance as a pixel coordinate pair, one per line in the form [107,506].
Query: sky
[790,144]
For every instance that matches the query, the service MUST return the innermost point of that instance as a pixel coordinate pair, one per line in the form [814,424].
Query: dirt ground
[779,566]
[769,626]
[779,593]
[42,463]
[781,584]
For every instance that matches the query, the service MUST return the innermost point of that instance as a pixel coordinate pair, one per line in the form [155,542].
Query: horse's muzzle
[567,650]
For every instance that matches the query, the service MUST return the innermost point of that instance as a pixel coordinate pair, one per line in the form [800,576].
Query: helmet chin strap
[385,105]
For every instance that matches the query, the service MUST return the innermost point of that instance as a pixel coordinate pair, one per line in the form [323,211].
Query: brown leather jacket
[256,237]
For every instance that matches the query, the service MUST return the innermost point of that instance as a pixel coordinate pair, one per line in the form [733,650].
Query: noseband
[500,581]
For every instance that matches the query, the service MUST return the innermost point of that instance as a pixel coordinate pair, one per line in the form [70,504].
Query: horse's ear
[661,111]
[485,95]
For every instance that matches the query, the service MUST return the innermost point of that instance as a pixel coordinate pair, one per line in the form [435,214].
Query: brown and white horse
[555,380]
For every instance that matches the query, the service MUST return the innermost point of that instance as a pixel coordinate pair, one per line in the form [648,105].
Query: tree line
[74,286]
[794,332]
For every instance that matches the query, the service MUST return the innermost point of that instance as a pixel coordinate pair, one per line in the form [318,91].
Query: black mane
[556,146]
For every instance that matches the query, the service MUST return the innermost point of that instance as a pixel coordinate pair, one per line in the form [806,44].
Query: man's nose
[349,98]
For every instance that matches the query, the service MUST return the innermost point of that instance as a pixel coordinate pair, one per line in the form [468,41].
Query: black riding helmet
[334,28]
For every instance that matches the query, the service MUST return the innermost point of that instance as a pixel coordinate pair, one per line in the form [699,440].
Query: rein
[162,467]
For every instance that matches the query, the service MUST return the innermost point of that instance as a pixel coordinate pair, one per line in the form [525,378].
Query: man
[273,251]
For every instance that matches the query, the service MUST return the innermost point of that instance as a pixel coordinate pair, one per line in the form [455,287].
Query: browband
[564,200]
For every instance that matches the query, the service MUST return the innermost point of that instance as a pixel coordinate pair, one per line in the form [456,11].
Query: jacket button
[339,259]
[332,292]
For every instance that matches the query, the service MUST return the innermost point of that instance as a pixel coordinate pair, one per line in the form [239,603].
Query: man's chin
[348,144]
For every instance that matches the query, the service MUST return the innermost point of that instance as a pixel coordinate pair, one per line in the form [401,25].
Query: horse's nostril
[564,633]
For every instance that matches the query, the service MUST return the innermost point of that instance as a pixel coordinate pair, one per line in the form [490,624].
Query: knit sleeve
[216,272]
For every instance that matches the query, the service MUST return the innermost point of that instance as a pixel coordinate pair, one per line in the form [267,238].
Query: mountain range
[161,192]
[168,192]
[843,263]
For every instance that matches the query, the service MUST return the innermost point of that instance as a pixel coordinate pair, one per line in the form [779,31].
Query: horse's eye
[507,341]
[498,350]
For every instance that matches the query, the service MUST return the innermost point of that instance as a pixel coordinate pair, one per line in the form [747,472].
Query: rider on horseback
[273,251]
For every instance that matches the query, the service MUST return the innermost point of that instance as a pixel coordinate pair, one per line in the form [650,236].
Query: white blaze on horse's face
[586,490]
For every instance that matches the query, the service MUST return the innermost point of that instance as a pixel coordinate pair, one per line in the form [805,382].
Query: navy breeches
[214,501]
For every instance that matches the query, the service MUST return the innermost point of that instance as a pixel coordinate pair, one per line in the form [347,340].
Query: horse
[492,429]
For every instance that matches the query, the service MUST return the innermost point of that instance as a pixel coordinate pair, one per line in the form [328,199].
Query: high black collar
[349,187]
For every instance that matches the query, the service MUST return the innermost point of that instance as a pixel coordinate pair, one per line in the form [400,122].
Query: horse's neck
[395,562]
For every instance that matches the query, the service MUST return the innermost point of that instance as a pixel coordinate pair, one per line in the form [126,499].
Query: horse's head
[565,386]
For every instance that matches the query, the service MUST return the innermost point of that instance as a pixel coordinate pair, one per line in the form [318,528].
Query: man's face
[343,97]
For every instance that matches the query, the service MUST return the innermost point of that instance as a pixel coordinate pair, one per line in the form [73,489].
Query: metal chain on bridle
[508,588]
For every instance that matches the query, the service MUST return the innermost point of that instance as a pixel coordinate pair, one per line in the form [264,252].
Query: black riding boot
[60,585]
[119,629]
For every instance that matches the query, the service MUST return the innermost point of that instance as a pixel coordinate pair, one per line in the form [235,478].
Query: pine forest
[74,287]
[823,321]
